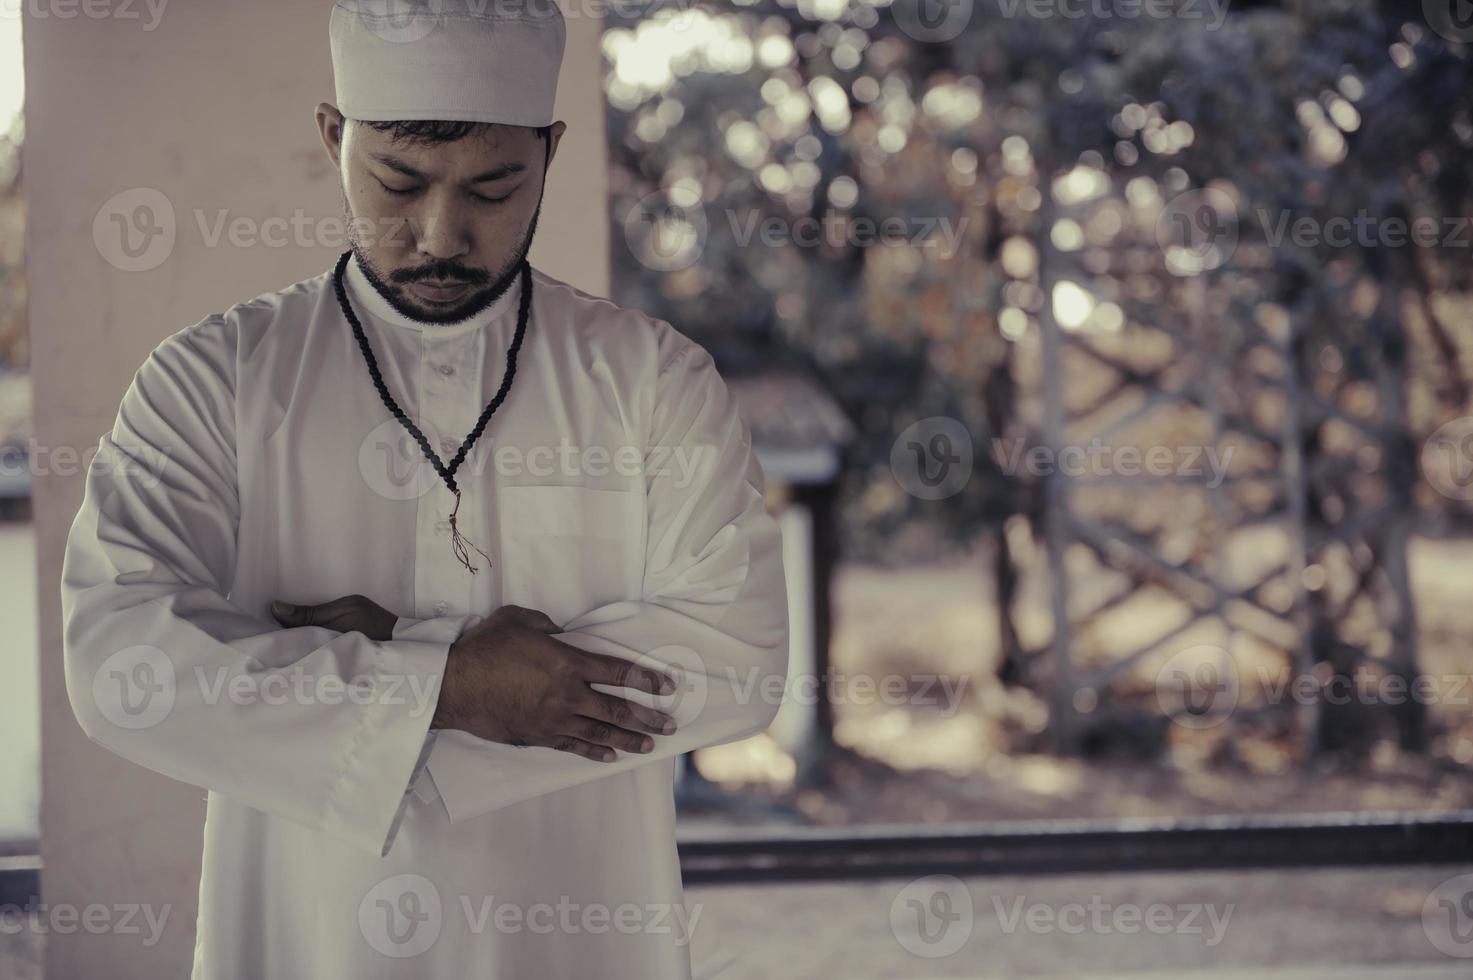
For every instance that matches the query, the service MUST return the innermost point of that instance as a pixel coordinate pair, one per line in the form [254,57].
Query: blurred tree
[14,348]
[15,399]
[1090,213]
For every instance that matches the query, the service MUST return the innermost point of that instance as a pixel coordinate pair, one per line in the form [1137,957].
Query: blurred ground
[1301,925]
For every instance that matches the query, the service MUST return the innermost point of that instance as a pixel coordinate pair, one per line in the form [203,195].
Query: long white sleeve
[714,605]
[321,728]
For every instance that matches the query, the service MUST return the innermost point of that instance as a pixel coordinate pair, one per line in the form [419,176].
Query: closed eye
[406,191]
[397,191]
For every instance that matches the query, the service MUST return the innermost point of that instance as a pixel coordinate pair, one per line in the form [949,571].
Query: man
[437,707]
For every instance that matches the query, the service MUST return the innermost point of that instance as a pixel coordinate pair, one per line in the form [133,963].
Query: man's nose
[444,228]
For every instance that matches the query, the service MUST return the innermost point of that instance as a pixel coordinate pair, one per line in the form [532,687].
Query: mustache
[443,271]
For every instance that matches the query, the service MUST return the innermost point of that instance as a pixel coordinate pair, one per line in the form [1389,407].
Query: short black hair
[436,132]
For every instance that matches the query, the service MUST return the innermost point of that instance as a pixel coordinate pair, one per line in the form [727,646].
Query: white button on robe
[253,460]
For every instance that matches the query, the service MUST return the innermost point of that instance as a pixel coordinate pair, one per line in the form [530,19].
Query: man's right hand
[507,680]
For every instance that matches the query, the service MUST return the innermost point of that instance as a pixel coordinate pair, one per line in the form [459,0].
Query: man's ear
[333,127]
[554,136]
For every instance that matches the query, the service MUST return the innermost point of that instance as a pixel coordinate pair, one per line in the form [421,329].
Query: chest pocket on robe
[566,549]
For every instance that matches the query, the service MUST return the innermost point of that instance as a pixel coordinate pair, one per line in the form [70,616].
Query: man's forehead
[485,149]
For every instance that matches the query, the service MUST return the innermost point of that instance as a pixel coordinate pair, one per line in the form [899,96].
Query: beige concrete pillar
[205,109]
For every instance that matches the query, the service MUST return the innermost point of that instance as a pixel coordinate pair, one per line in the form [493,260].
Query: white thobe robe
[252,459]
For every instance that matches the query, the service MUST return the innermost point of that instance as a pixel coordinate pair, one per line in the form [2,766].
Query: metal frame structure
[1336,486]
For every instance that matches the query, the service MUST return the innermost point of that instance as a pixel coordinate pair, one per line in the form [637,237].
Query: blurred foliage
[724,115]
[14,346]
[15,392]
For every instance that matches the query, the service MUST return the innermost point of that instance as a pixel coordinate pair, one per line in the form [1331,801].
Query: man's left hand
[351,613]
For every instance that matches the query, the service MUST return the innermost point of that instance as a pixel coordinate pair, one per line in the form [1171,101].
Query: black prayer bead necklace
[458,541]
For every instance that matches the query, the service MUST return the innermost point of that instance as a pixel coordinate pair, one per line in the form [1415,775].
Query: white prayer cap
[492,61]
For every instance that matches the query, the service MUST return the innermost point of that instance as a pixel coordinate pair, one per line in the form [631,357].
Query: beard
[487,288]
